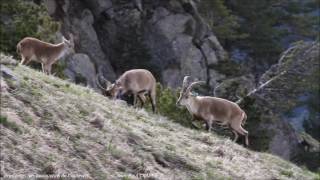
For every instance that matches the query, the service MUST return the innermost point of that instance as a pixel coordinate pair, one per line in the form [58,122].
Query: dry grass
[56,127]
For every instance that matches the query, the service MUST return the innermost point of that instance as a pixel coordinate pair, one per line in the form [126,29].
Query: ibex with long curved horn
[213,109]
[46,53]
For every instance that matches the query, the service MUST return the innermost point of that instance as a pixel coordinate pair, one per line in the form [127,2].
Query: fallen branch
[261,86]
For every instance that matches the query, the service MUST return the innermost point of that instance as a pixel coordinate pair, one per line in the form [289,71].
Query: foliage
[313,89]
[131,52]
[262,28]
[268,23]
[224,24]
[166,104]
[259,138]
[58,68]
[229,68]
[9,124]
[24,18]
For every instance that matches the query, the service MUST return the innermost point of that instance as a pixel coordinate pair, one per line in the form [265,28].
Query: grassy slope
[45,128]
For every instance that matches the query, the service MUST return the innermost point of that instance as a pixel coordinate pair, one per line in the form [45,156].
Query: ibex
[137,82]
[45,53]
[213,109]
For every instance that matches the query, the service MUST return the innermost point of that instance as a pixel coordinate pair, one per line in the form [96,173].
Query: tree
[220,19]
[24,18]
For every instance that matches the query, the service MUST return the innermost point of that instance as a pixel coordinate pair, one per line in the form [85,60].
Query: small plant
[113,150]
[10,125]
[166,102]
[125,178]
[83,112]
[28,120]
[287,173]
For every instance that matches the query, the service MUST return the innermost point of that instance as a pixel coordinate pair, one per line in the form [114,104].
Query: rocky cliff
[168,37]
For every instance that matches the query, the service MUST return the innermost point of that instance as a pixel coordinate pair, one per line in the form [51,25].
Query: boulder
[81,70]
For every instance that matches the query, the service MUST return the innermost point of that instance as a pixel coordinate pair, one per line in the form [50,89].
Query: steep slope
[51,126]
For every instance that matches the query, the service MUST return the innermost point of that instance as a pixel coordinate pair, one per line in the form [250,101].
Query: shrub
[9,124]
[166,105]
[24,18]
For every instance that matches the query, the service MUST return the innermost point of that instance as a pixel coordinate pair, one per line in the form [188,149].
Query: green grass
[10,125]
[287,173]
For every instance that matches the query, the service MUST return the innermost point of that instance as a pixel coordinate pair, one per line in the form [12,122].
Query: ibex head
[69,44]
[114,90]
[108,88]
[185,90]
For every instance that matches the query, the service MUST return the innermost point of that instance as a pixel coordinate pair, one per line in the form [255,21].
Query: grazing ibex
[212,109]
[45,53]
[137,82]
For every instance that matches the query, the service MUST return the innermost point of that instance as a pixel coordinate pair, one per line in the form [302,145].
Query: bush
[166,106]
[166,103]
[24,18]
[221,20]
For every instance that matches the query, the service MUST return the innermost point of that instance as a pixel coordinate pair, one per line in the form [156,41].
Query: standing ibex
[212,109]
[137,82]
[46,53]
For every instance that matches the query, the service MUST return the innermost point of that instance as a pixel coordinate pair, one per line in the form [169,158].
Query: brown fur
[213,109]
[137,82]
[32,49]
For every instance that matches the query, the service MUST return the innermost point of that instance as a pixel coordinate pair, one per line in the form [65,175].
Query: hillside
[51,126]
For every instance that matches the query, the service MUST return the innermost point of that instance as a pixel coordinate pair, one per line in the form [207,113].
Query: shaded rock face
[81,70]
[301,63]
[167,37]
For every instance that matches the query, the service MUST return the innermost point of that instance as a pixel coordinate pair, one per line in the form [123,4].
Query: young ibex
[46,53]
[137,82]
[212,109]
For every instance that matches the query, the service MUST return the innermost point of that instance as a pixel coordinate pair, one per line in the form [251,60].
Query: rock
[215,45]
[81,70]
[50,6]
[99,7]
[7,73]
[171,47]
[8,80]
[86,39]
[157,35]
[97,120]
